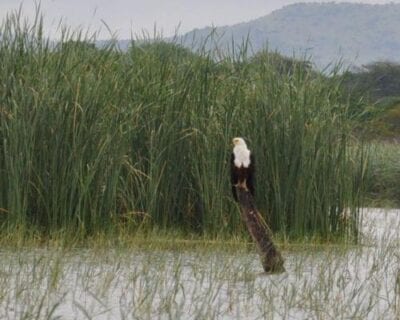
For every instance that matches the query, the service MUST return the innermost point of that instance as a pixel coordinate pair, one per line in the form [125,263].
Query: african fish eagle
[242,167]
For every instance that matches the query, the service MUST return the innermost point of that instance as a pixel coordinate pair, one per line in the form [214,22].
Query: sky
[126,18]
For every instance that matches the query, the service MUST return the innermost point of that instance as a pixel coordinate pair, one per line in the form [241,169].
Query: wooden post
[271,258]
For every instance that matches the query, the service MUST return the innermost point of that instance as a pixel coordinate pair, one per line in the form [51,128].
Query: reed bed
[95,139]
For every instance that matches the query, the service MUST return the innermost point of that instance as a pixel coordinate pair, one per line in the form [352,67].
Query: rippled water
[360,282]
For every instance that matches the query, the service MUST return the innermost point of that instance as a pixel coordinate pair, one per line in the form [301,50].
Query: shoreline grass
[161,240]
[357,282]
[90,137]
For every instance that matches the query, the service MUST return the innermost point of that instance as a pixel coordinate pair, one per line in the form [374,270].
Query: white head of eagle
[242,167]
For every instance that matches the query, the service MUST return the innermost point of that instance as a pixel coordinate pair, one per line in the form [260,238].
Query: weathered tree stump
[271,258]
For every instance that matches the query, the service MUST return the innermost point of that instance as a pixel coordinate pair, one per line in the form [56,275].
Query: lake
[328,282]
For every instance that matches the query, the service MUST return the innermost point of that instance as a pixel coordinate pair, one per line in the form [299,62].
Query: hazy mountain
[358,33]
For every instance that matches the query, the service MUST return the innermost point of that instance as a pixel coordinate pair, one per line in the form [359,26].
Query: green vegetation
[375,99]
[374,95]
[375,81]
[382,182]
[95,140]
[126,155]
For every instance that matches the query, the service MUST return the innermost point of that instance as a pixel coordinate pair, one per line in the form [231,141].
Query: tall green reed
[94,138]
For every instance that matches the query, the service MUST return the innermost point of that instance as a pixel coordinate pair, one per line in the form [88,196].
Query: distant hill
[358,33]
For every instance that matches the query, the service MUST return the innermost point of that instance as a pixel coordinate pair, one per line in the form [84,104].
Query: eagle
[242,167]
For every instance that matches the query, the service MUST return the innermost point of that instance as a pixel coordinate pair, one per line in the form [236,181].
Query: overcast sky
[126,17]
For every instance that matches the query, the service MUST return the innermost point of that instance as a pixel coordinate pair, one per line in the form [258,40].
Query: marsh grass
[95,139]
[340,282]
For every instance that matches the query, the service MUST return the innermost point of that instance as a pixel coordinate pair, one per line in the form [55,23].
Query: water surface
[360,282]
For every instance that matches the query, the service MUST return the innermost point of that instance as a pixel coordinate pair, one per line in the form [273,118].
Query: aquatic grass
[94,139]
[357,282]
